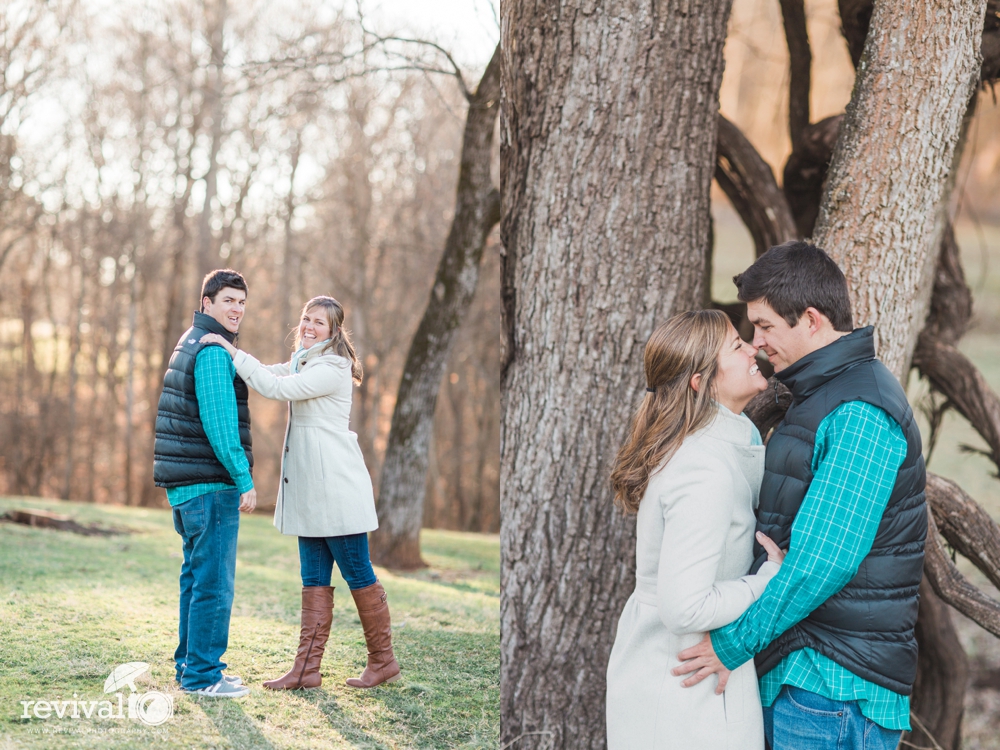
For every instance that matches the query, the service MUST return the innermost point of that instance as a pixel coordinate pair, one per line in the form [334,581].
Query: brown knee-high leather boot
[317,615]
[373,609]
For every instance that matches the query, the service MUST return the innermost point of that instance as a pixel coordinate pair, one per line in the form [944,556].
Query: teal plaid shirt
[213,387]
[857,454]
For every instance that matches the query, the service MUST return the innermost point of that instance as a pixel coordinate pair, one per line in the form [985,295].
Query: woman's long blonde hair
[686,345]
[340,338]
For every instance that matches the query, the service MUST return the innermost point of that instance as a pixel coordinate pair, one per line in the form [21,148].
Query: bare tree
[607,151]
[396,543]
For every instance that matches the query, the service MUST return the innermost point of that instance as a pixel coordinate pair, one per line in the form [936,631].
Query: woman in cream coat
[691,469]
[325,494]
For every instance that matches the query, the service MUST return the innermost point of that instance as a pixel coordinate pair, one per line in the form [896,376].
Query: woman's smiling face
[738,379]
[314,326]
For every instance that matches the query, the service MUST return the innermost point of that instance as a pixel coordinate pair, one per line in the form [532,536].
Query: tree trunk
[884,206]
[608,145]
[403,483]
[942,674]
[883,218]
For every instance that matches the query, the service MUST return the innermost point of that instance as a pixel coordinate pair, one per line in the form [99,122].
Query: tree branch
[748,182]
[793,14]
[966,526]
[805,171]
[953,587]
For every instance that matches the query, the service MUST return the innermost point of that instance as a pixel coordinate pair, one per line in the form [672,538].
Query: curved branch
[951,373]
[793,15]
[966,526]
[953,587]
[749,183]
[805,171]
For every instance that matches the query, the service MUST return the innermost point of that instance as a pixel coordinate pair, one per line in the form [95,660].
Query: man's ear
[816,320]
[695,381]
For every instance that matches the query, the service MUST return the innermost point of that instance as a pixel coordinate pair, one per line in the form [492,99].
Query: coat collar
[731,428]
[821,366]
[208,323]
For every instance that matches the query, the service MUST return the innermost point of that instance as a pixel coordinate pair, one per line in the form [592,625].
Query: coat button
[286,449]
[286,480]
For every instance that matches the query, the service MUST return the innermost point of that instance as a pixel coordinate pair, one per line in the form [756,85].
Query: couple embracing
[203,457]
[791,571]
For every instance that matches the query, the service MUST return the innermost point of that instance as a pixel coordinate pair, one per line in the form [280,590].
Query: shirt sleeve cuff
[730,654]
[244,483]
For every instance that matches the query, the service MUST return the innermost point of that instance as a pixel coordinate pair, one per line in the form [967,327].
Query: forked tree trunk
[607,155]
[884,206]
[883,215]
[403,484]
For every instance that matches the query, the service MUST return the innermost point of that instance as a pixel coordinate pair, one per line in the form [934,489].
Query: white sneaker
[222,689]
[232,679]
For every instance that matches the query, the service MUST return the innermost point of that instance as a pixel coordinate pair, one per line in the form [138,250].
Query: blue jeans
[801,720]
[208,525]
[317,555]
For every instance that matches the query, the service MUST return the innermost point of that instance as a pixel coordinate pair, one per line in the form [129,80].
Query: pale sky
[467,28]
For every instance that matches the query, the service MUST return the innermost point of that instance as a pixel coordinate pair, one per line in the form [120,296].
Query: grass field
[72,608]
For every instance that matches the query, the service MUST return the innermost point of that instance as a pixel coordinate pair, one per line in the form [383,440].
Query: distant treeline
[143,144]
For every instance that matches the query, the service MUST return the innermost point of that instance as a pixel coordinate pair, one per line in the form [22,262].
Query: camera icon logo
[152,708]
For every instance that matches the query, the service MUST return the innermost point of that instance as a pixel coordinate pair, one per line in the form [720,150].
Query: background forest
[142,143]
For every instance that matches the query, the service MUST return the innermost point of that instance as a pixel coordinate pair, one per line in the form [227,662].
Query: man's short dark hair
[794,276]
[217,280]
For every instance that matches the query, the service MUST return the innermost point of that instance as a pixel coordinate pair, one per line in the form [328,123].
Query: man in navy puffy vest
[203,457]
[843,490]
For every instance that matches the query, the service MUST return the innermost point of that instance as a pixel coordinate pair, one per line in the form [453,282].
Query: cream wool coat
[694,541]
[325,488]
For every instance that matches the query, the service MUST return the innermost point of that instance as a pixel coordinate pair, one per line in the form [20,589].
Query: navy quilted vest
[182,454]
[867,626]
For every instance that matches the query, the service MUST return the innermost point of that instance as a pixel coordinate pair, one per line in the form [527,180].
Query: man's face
[227,308]
[783,344]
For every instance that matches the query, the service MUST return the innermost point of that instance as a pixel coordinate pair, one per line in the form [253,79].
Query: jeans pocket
[878,737]
[812,703]
[192,516]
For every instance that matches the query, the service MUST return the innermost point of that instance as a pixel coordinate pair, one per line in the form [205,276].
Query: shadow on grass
[327,705]
[234,724]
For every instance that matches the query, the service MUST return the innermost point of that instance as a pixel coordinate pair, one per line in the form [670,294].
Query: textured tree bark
[967,527]
[953,587]
[608,130]
[748,182]
[883,209]
[855,16]
[403,484]
[942,676]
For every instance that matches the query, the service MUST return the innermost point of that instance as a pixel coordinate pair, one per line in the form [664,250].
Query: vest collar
[816,368]
[208,323]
